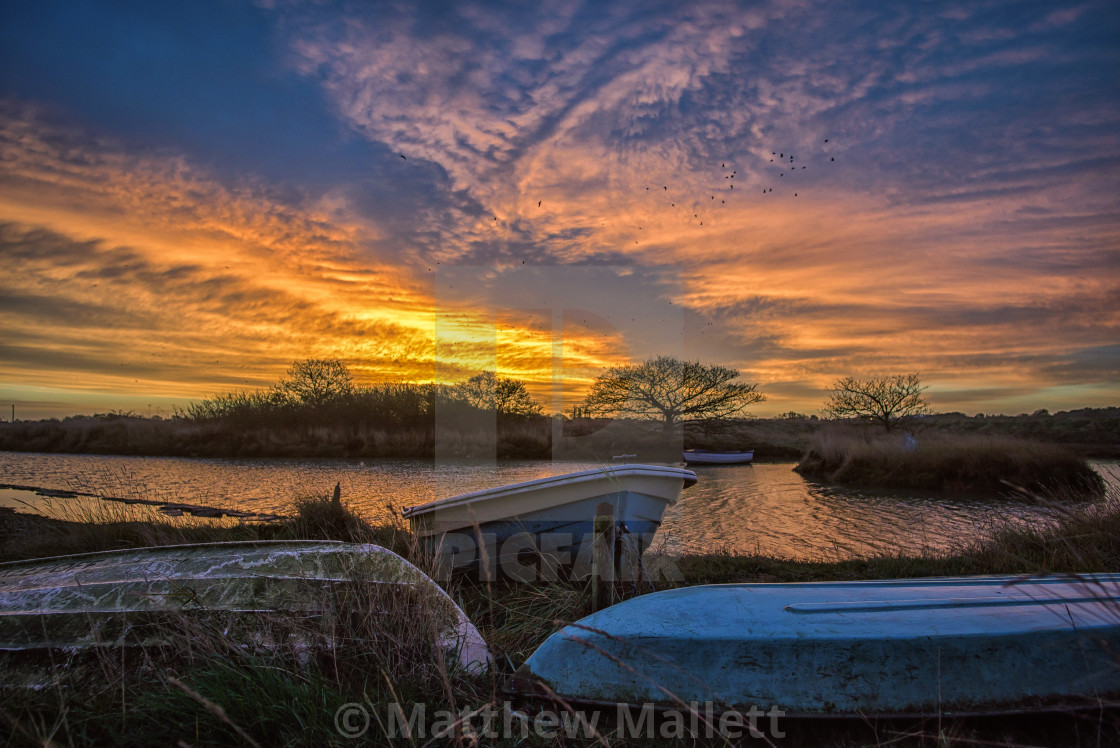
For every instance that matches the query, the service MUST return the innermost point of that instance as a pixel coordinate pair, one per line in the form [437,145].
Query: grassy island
[947,462]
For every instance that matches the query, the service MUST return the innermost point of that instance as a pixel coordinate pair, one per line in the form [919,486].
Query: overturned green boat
[898,647]
[135,598]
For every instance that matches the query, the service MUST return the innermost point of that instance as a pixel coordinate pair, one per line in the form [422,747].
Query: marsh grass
[278,678]
[931,460]
[79,526]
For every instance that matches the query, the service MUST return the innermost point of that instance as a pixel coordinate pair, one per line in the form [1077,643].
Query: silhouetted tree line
[316,409]
[321,392]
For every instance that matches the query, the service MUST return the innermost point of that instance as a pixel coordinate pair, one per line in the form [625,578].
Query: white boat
[551,517]
[896,647]
[715,457]
[112,598]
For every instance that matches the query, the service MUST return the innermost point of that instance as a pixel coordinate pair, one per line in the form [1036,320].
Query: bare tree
[316,381]
[885,400]
[671,391]
[502,395]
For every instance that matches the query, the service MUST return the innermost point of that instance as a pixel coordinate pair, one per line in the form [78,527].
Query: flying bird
[402,156]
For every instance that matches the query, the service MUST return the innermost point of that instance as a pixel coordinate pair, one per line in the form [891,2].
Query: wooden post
[602,558]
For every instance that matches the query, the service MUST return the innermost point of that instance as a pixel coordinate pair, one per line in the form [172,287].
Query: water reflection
[760,508]
[771,510]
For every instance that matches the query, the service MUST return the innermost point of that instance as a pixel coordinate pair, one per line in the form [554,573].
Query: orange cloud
[144,274]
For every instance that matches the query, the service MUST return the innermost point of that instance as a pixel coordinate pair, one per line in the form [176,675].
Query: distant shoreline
[1092,433]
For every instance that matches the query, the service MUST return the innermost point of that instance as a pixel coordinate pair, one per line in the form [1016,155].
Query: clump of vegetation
[890,459]
[109,526]
[1091,432]
[945,463]
[318,409]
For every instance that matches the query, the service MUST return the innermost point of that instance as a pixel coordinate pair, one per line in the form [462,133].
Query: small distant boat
[99,599]
[713,457]
[553,515]
[898,647]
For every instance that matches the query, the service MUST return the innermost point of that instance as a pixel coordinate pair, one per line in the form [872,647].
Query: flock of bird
[786,164]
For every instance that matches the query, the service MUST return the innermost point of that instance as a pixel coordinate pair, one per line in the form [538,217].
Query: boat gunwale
[530,685]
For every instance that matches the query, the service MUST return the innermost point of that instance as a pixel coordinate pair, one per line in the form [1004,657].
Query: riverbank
[1087,433]
[207,690]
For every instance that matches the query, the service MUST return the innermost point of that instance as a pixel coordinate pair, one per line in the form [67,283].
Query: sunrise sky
[195,194]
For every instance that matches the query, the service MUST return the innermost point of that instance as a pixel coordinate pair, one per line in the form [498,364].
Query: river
[764,507]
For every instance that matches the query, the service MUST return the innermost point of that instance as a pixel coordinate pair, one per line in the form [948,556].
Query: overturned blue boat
[899,647]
